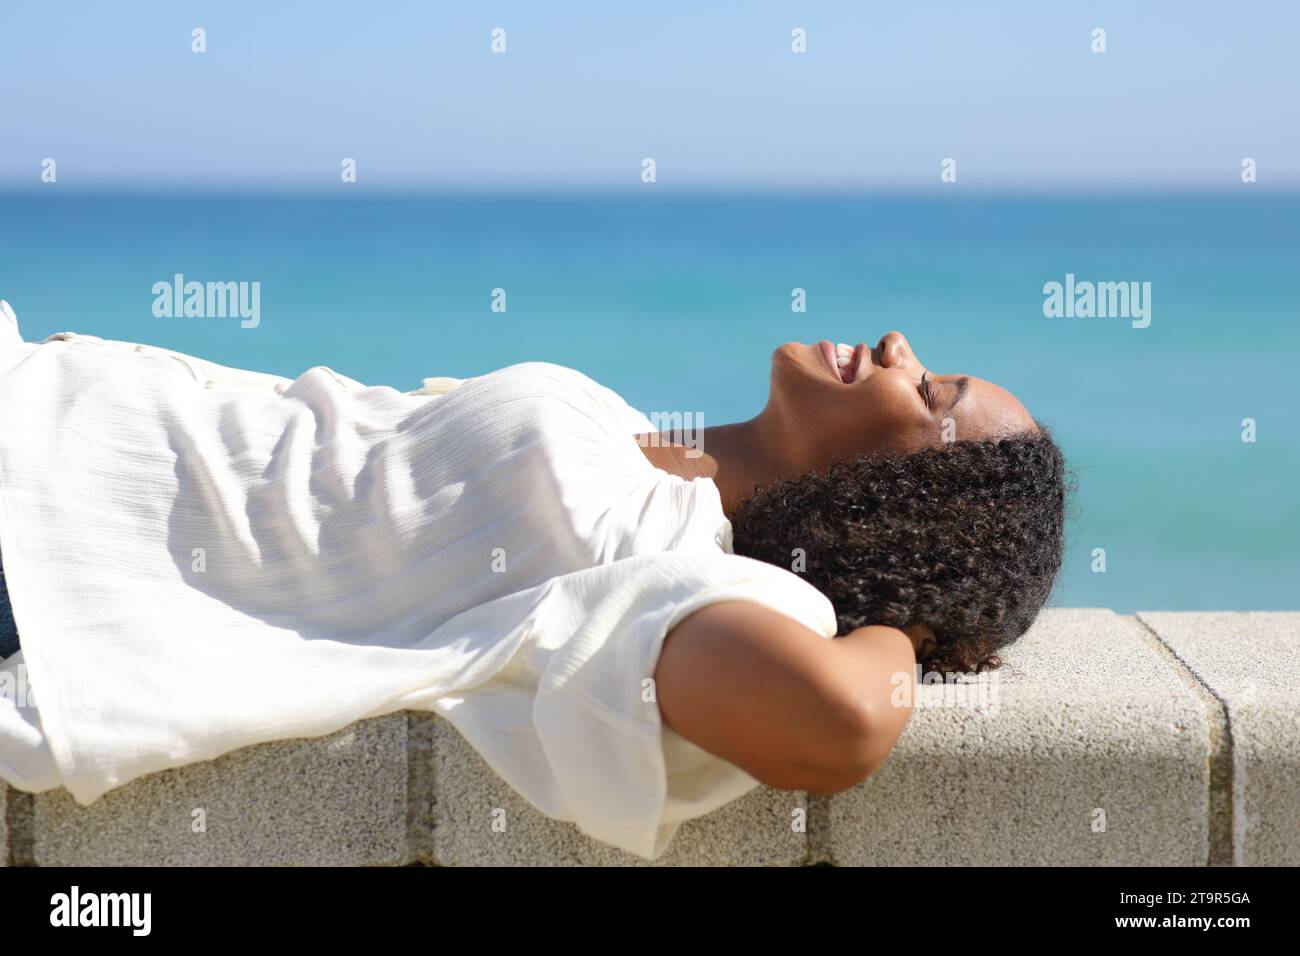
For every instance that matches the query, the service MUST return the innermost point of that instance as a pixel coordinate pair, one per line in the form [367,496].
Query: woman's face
[838,403]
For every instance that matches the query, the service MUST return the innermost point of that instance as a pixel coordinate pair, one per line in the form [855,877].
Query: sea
[1181,424]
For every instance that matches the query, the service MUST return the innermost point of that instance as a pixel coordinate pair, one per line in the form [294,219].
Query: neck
[738,458]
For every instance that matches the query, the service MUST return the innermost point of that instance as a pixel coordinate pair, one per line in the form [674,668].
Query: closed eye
[926,392]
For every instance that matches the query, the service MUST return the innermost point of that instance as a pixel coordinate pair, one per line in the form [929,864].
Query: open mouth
[841,359]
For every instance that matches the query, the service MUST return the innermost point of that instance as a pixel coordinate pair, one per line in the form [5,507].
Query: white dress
[200,559]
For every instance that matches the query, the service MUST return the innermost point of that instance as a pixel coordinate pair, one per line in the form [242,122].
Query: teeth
[843,354]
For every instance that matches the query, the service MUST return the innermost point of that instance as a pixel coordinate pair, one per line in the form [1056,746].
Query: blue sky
[412,91]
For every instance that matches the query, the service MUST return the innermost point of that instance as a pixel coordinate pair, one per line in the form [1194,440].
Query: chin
[790,353]
[797,379]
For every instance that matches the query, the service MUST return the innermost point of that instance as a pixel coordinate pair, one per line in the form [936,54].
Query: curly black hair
[966,538]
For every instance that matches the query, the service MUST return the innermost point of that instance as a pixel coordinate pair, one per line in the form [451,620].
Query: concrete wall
[1163,738]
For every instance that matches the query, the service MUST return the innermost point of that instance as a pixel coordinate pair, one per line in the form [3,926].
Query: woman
[930,503]
[199,559]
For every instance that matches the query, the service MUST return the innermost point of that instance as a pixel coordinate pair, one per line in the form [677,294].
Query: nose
[893,350]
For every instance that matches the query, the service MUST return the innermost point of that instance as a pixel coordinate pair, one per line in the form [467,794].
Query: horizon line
[944,191]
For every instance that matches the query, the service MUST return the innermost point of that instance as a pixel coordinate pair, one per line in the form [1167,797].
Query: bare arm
[791,709]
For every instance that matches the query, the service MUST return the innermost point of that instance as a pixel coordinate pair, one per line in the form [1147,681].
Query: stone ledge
[1250,661]
[335,800]
[4,824]
[1104,740]
[1095,754]
[469,798]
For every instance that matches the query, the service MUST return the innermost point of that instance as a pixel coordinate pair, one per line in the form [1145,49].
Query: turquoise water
[677,304]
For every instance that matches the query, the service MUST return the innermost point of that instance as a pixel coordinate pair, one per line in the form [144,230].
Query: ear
[923,640]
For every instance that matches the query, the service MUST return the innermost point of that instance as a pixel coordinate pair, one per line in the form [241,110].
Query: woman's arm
[791,709]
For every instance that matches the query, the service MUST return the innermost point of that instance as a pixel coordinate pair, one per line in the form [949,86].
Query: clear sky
[885,92]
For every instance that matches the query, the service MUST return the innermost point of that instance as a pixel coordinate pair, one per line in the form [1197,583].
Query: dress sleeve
[586,743]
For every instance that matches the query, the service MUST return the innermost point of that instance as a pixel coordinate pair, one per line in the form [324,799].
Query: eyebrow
[963,384]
